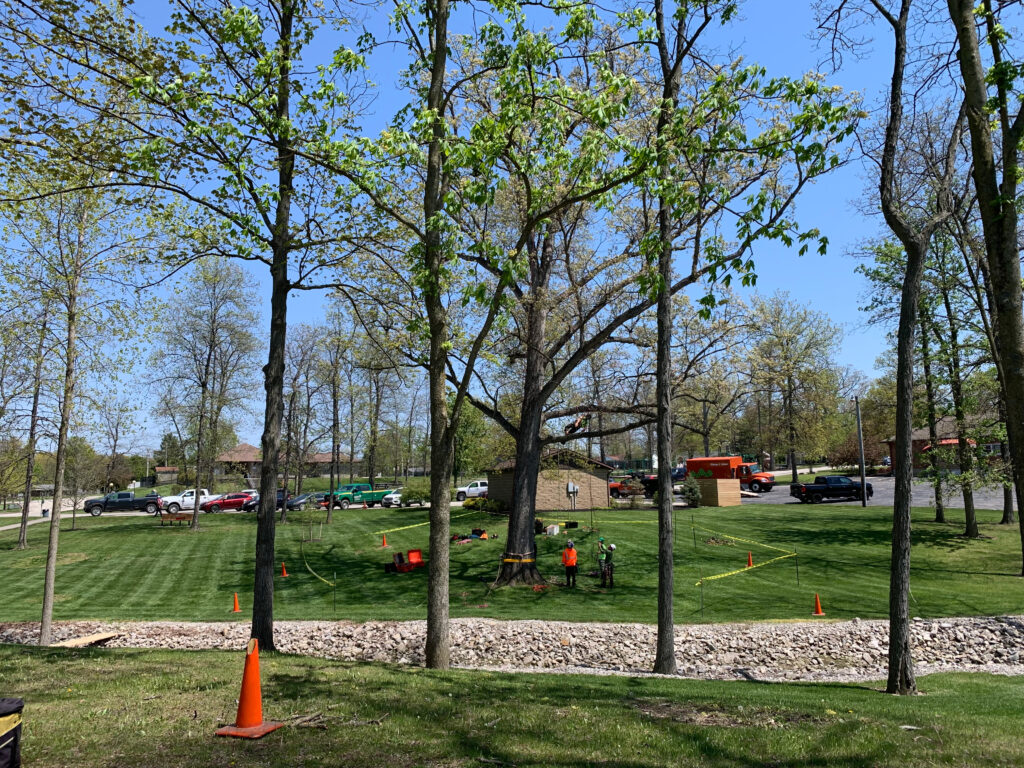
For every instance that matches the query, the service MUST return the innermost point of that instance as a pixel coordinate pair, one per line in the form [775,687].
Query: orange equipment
[750,560]
[284,573]
[237,609]
[730,467]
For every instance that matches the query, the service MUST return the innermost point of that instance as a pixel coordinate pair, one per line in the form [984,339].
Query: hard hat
[601,538]
[611,546]
[569,544]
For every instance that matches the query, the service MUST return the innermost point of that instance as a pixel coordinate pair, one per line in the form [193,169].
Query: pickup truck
[358,493]
[185,500]
[123,501]
[828,487]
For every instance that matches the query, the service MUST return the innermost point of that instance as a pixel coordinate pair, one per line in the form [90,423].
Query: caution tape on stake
[417,525]
[744,570]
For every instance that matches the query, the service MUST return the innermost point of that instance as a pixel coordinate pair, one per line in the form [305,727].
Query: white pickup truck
[187,500]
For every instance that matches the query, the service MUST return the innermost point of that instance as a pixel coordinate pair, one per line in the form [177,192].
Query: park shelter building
[557,470]
[247,460]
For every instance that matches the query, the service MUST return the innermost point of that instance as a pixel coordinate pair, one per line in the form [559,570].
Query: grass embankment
[160,709]
[131,568]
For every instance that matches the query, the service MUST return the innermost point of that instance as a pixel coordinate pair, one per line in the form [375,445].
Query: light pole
[860,442]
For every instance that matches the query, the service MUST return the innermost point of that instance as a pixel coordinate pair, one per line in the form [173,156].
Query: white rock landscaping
[819,651]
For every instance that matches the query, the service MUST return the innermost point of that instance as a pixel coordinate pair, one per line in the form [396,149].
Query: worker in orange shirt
[569,561]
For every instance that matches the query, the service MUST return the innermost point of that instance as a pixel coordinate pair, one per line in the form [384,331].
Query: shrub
[690,491]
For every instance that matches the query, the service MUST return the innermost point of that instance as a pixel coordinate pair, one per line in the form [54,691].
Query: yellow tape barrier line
[744,570]
[745,541]
[303,553]
[518,560]
[417,525]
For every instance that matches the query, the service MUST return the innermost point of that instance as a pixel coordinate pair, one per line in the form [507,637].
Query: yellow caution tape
[518,560]
[745,541]
[744,569]
[417,525]
[325,581]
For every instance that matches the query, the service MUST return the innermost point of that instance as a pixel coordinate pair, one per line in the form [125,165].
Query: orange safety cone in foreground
[284,573]
[249,722]
[237,609]
[750,560]
[817,606]
[385,542]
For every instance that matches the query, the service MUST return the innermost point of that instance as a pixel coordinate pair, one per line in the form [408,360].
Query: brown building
[557,470]
[945,430]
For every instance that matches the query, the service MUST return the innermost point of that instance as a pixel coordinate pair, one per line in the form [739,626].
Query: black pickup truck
[828,487]
[123,501]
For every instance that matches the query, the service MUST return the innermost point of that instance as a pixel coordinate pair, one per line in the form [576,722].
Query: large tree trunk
[997,203]
[33,426]
[442,429]
[933,434]
[519,561]
[273,374]
[66,405]
[665,654]
[901,666]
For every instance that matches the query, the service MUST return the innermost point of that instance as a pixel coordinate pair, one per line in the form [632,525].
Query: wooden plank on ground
[100,638]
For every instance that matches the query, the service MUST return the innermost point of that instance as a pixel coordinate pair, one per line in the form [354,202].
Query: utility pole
[860,441]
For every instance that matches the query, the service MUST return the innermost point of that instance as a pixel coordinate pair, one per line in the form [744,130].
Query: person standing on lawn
[569,561]
[608,568]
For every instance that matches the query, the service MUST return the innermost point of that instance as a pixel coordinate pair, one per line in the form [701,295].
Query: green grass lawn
[159,709]
[131,568]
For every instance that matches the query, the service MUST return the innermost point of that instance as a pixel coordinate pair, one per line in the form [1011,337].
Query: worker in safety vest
[608,571]
[569,561]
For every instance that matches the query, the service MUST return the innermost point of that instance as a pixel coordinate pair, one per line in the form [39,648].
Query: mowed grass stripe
[137,570]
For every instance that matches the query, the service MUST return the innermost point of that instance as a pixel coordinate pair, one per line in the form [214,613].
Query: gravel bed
[822,651]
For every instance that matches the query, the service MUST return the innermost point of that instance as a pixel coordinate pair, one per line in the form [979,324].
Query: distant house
[557,470]
[946,432]
[247,460]
[166,475]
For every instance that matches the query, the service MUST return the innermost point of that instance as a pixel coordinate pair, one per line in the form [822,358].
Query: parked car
[828,487]
[303,501]
[282,497]
[227,501]
[121,501]
[186,500]
[252,503]
[471,490]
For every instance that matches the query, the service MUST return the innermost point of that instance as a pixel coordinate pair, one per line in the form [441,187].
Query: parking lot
[990,497]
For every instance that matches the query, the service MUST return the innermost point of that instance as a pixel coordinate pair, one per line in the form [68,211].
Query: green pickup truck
[357,493]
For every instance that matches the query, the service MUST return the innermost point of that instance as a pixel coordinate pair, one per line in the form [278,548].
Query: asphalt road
[990,497]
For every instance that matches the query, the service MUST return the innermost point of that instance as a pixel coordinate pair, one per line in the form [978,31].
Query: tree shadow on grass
[474,723]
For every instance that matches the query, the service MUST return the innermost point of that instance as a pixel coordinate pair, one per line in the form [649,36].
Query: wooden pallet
[100,638]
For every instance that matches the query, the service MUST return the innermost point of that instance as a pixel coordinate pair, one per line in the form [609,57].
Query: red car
[228,501]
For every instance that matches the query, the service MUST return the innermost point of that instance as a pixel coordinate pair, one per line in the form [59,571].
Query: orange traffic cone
[237,609]
[385,542]
[817,606]
[364,505]
[750,560]
[249,722]
[284,573]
